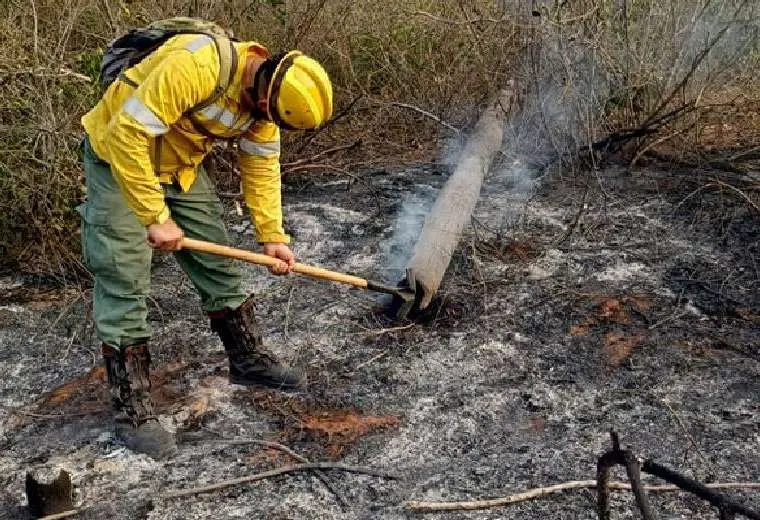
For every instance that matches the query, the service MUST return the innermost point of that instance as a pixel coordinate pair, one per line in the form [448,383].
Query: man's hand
[282,252]
[166,237]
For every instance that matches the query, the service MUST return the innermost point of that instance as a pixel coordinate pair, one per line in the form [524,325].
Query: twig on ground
[633,469]
[752,153]
[686,433]
[656,142]
[368,362]
[672,317]
[532,494]
[633,464]
[739,192]
[18,411]
[457,22]
[42,72]
[715,182]
[65,514]
[603,467]
[576,220]
[178,493]
[378,332]
[300,458]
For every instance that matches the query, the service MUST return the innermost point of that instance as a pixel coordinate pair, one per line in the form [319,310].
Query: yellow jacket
[142,129]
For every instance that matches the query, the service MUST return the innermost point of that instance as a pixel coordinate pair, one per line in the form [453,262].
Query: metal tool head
[404,299]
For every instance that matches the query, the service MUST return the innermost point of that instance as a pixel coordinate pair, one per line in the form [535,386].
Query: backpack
[131,48]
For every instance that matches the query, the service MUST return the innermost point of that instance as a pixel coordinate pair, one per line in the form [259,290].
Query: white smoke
[567,82]
[406,229]
[562,102]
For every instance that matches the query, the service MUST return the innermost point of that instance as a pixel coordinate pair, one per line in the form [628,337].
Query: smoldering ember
[528,242]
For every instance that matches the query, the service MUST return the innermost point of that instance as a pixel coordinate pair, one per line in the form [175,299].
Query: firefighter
[147,189]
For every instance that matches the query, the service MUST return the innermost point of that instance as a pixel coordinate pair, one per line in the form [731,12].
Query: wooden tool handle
[257,258]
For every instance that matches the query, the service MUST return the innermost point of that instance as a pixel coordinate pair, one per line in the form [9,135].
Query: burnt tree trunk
[456,201]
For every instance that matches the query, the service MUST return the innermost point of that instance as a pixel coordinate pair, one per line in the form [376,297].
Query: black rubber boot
[129,385]
[250,362]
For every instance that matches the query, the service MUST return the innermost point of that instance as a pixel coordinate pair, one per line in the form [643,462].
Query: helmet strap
[261,81]
[274,87]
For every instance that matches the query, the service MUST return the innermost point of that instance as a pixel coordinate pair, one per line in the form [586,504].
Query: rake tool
[403,298]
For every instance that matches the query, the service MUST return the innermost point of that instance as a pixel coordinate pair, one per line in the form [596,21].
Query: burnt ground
[619,298]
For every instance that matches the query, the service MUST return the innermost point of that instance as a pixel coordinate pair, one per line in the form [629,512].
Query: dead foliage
[164,380]
[538,424]
[340,428]
[507,250]
[618,347]
[326,431]
[268,457]
[89,392]
[609,310]
[520,250]
[81,388]
[617,344]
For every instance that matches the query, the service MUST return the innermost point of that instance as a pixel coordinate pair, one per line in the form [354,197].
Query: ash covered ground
[619,298]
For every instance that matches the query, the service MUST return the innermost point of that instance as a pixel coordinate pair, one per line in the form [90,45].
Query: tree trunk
[456,201]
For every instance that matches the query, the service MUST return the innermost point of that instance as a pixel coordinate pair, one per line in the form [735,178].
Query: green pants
[116,252]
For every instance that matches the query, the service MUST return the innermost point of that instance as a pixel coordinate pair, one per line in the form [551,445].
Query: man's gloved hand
[166,237]
[282,252]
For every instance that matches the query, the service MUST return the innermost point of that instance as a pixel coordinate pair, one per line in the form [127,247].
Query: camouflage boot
[129,385]
[250,362]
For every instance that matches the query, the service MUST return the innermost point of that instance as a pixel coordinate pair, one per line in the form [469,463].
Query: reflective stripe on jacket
[142,128]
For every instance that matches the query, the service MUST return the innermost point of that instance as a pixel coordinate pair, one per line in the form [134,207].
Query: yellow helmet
[300,93]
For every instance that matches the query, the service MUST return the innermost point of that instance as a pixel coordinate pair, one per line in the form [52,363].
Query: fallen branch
[178,493]
[720,184]
[455,202]
[727,507]
[738,192]
[281,447]
[379,332]
[65,514]
[427,507]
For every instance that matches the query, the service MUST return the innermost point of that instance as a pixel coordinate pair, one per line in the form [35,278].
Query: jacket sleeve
[259,152]
[172,88]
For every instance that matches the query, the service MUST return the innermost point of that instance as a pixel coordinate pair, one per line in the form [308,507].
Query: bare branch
[178,493]
[426,507]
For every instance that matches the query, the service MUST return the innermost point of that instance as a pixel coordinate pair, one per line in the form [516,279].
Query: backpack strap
[228,62]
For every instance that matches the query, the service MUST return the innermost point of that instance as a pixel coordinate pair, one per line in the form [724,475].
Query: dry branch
[532,494]
[281,447]
[426,114]
[177,493]
[617,456]
[65,514]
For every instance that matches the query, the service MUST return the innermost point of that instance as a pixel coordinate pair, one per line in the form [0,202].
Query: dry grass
[586,69]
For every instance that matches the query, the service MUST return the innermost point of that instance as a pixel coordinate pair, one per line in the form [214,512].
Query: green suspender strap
[228,61]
